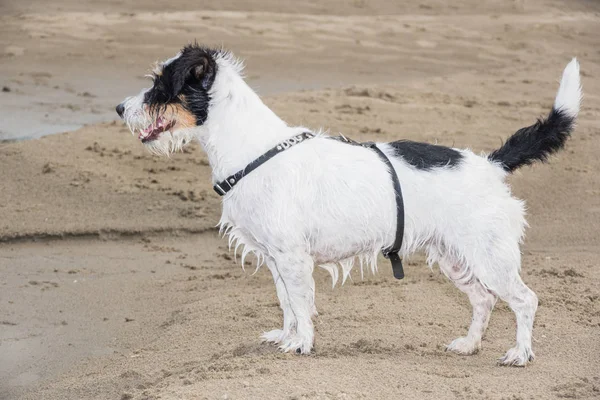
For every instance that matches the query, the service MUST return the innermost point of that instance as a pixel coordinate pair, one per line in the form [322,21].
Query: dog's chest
[242,231]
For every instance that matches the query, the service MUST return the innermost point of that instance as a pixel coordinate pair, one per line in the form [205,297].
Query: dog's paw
[517,357]
[275,336]
[464,346]
[296,344]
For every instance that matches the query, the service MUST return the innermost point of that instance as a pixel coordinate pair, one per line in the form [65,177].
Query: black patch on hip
[426,156]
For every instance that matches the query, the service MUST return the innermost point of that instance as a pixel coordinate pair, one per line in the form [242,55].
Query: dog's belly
[338,245]
[323,258]
[326,244]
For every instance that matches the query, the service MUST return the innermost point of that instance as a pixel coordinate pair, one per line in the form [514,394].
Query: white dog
[325,202]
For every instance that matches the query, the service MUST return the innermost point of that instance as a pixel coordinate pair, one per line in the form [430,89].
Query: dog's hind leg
[499,272]
[482,301]
[296,292]
[523,302]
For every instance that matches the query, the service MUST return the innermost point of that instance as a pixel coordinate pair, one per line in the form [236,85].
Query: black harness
[390,253]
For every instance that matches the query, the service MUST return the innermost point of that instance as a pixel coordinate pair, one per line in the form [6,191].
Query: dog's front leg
[295,286]
[279,335]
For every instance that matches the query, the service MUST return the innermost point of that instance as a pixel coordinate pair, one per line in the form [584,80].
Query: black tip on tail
[536,142]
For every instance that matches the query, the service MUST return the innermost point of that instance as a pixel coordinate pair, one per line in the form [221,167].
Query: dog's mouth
[153,131]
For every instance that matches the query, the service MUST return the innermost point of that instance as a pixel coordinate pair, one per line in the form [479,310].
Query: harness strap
[391,253]
[226,185]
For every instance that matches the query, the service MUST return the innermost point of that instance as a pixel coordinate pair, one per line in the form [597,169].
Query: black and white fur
[330,204]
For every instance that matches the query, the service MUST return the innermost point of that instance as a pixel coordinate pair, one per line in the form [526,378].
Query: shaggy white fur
[327,203]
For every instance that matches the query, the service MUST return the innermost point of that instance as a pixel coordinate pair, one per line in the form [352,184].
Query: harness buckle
[219,189]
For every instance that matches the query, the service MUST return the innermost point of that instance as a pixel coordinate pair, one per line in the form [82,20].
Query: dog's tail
[538,141]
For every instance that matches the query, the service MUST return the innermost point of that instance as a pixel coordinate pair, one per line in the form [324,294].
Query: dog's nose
[120,110]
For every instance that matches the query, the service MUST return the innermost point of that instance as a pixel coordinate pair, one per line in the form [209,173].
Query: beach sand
[114,283]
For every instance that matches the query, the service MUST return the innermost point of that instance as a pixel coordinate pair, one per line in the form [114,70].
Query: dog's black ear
[203,71]
[198,71]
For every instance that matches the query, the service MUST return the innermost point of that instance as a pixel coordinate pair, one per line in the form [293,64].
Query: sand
[115,285]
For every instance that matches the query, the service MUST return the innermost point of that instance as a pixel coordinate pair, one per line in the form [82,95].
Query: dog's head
[164,116]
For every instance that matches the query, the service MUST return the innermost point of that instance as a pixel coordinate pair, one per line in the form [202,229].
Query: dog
[327,203]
